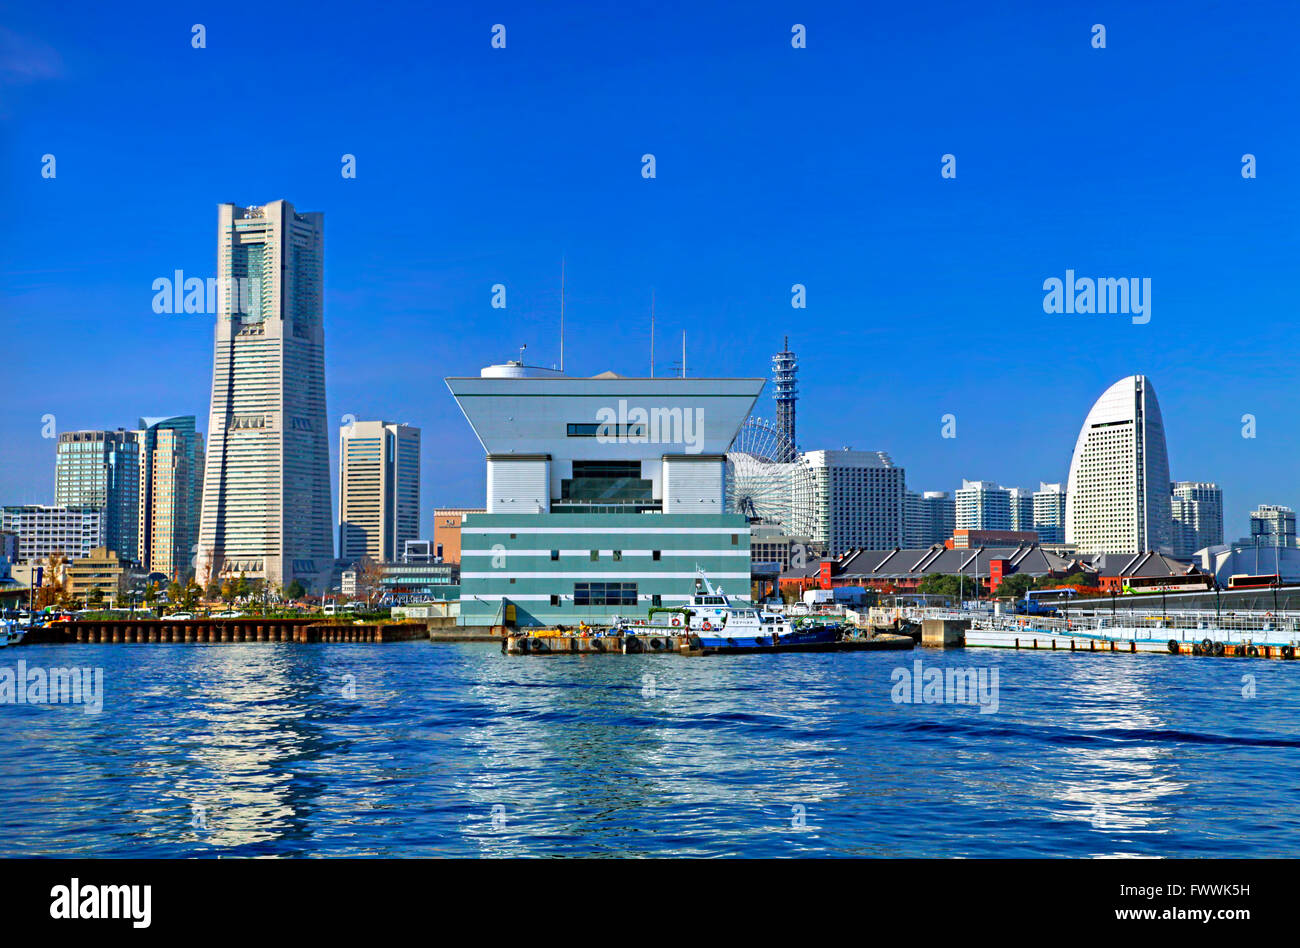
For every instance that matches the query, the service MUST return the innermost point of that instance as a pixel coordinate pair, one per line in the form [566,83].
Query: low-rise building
[103,569]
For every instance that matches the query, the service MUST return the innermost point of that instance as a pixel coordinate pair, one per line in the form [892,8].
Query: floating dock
[650,643]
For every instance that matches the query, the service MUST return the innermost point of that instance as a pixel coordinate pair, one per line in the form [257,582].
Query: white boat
[720,625]
[10,634]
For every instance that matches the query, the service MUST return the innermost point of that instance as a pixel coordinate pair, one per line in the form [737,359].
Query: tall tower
[266,488]
[1118,498]
[785,370]
[102,469]
[379,490]
[171,488]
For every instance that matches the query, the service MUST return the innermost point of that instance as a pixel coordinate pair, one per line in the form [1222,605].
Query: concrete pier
[944,633]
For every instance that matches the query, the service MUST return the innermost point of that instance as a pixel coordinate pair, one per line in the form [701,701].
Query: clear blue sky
[775,166]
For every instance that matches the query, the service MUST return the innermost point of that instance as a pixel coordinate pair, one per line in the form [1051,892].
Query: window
[604,594]
[654,555]
[555,600]
[595,555]
[618,556]
[735,540]
[656,600]
[589,429]
[555,555]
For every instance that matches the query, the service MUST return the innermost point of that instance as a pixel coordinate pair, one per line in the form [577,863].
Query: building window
[604,594]
[656,600]
[512,580]
[555,555]
[588,429]
[595,555]
[555,600]
[655,554]
[735,540]
[618,556]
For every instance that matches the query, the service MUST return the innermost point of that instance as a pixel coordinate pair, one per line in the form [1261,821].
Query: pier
[552,642]
[219,631]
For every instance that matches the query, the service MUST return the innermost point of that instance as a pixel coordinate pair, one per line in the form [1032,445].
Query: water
[456,750]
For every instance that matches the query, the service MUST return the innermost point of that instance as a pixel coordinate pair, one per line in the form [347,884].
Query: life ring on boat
[676,621]
[1173,646]
[1288,651]
[706,626]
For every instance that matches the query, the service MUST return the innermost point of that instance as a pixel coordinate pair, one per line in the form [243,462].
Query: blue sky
[775,166]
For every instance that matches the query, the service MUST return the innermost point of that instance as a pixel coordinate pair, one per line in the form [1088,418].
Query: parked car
[228,614]
[178,616]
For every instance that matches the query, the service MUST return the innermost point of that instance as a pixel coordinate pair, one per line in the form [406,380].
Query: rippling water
[457,750]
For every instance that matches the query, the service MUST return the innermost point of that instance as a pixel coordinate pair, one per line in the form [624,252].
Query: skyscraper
[1118,495]
[858,500]
[266,489]
[1272,525]
[1049,513]
[379,490]
[171,491]
[102,469]
[785,382]
[929,518]
[983,505]
[1197,517]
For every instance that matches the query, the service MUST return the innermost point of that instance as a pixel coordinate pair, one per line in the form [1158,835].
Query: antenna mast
[652,333]
[561,315]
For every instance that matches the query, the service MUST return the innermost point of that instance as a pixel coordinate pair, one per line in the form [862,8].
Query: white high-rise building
[1197,517]
[1049,513]
[983,505]
[929,518]
[266,492]
[1117,500]
[379,490]
[43,531]
[858,499]
[1272,525]
[1021,502]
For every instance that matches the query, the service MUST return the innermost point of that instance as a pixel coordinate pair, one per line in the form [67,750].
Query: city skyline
[894,258]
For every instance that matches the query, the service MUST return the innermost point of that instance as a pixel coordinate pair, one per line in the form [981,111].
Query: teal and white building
[604,494]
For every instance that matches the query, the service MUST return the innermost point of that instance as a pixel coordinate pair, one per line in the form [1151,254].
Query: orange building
[446,530]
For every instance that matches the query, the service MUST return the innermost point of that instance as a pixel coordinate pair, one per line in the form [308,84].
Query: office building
[858,500]
[102,469]
[171,494]
[1197,510]
[379,490]
[267,510]
[604,494]
[43,531]
[1117,499]
[446,530]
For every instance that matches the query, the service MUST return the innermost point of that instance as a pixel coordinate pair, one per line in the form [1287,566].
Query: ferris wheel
[770,481]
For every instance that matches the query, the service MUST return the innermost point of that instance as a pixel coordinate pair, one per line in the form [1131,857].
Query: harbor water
[416,749]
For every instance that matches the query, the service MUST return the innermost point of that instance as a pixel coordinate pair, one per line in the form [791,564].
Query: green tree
[295,590]
[1015,586]
[190,596]
[150,594]
[174,592]
[242,587]
[96,597]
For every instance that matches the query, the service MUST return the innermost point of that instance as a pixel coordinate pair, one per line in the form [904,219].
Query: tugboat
[717,626]
[10,634]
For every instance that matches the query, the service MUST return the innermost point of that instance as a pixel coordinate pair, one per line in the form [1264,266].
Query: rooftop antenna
[521,353]
[652,333]
[561,315]
[683,353]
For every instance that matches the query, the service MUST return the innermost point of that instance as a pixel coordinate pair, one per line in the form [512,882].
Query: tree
[150,594]
[370,577]
[295,590]
[242,587]
[227,591]
[96,597]
[175,590]
[1015,586]
[212,589]
[190,596]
